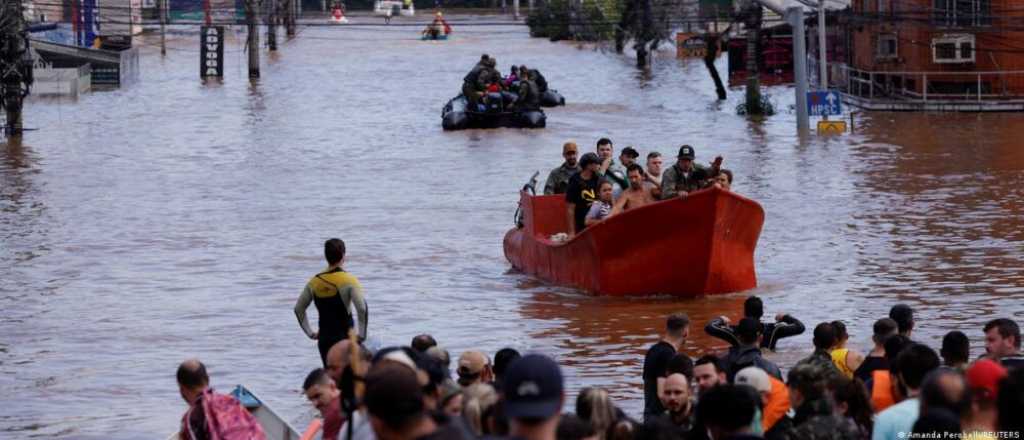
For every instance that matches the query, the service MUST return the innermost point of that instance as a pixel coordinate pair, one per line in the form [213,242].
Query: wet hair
[594,406]
[715,361]
[393,395]
[1007,328]
[422,343]
[882,329]
[809,380]
[192,374]
[676,323]
[840,329]
[571,427]
[1010,400]
[653,154]
[855,395]
[935,395]
[502,359]
[824,336]
[914,363]
[727,407]
[316,377]
[937,423]
[682,364]
[635,167]
[955,347]
[904,317]
[334,250]
[604,141]
[893,346]
[753,307]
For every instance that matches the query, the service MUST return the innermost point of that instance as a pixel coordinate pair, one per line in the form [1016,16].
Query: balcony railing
[954,87]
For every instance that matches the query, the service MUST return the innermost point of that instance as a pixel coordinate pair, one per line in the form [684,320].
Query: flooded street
[170,219]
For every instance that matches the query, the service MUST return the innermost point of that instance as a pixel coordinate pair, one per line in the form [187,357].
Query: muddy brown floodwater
[170,219]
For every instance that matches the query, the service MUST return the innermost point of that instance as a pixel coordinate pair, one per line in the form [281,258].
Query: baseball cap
[755,378]
[589,158]
[984,375]
[630,152]
[686,152]
[471,364]
[569,146]
[533,388]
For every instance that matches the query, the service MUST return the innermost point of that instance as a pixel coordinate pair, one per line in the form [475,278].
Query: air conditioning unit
[953,49]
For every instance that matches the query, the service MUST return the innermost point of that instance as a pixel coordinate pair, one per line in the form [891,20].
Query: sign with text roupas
[211,52]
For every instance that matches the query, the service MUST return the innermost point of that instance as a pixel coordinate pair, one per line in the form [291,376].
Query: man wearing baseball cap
[534,395]
[558,179]
[474,367]
[686,175]
[582,191]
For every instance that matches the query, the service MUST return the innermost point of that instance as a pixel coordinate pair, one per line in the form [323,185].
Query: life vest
[881,390]
[777,405]
[335,318]
[839,360]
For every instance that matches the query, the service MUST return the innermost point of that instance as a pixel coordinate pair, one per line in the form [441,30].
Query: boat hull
[551,98]
[699,245]
[456,116]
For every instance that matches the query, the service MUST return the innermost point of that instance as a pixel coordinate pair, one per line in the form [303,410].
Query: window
[962,13]
[886,46]
[953,49]
[883,7]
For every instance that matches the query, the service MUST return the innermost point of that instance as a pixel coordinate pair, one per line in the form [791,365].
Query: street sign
[826,103]
[211,52]
[831,127]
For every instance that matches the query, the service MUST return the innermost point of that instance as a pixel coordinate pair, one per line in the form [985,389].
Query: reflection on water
[176,219]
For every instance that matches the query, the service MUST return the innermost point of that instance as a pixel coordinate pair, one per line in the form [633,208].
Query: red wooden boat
[698,245]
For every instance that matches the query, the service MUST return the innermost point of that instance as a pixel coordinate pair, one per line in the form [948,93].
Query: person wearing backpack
[212,416]
[748,352]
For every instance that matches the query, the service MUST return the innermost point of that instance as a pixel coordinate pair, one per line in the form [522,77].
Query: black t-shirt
[582,192]
[870,364]
[655,364]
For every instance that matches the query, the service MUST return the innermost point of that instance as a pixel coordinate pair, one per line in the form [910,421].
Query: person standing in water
[334,292]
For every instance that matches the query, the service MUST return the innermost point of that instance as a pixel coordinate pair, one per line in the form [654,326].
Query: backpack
[227,419]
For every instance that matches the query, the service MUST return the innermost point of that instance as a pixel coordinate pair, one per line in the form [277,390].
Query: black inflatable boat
[456,115]
[551,98]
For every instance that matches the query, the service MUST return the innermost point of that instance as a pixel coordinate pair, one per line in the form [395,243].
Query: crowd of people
[486,89]
[596,187]
[901,389]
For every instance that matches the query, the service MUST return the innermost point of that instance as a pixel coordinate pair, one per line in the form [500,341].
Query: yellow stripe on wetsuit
[326,285]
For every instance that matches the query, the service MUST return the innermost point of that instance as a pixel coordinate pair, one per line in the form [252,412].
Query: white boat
[273,424]
[381,7]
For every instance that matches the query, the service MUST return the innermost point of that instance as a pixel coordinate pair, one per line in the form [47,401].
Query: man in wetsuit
[334,292]
[784,326]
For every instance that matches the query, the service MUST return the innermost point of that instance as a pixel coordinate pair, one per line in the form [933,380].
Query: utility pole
[754,18]
[795,17]
[162,5]
[272,25]
[515,10]
[253,43]
[15,64]
[289,18]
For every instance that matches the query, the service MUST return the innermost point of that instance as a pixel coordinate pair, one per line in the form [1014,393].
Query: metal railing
[998,86]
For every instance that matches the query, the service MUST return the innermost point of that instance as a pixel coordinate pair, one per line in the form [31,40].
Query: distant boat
[456,115]
[273,424]
[698,245]
[382,7]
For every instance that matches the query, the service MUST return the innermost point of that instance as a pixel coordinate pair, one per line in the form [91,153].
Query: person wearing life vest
[335,292]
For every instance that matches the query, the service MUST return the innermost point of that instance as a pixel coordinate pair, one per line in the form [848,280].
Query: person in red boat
[637,194]
[581,192]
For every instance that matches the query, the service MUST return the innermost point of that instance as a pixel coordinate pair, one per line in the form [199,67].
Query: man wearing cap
[534,395]
[558,179]
[983,382]
[774,394]
[474,367]
[581,192]
[686,175]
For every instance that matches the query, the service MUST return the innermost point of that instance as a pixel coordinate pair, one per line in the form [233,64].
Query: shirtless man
[637,195]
